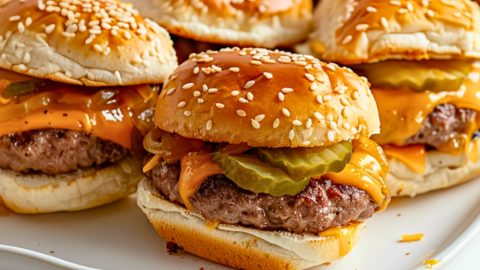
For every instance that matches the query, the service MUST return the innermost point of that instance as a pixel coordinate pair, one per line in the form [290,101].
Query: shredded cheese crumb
[411,237]
[429,263]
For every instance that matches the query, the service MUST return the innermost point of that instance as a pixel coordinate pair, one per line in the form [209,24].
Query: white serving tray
[118,236]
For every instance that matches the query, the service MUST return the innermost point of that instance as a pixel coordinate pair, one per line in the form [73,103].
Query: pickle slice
[433,75]
[22,88]
[306,162]
[250,173]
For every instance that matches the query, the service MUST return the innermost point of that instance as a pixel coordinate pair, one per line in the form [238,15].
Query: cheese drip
[403,112]
[366,171]
[110,113]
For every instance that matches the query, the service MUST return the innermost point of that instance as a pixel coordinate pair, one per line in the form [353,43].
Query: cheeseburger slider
[74,95]
[261,159]
[418,56]
[199,25]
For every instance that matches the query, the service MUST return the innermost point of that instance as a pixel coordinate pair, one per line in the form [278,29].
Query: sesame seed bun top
[265,23]
[369,31]
[265,99]
[95,43]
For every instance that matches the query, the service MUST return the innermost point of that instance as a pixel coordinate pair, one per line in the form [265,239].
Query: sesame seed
[276,123]
[243,100]
[286,112]
[255,124]
[249,84]
[209,124]
[347,40]
[220,105]
[309,77]
[331,135]
[319,116]
[170,91]
[291,134]
[49,28]
[297,123]
[267,75]
[181,104]
[361,27]
[260,117]
[309,123]
[187,86]
[21,27]
[14,18]
[241,113]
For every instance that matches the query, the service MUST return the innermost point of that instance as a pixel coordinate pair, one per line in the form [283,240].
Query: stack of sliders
[419,57]
[207,24]
[265,161]
[67,125]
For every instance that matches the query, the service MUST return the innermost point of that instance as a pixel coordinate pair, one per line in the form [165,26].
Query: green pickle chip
[306,162]
[283,171]
[249,173]
[433,75]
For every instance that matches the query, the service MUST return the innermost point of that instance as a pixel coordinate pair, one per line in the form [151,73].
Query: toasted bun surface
[238,246]
[368,31]
[443,170]
[39,193]
[266,99]
[265,23]
[90,42]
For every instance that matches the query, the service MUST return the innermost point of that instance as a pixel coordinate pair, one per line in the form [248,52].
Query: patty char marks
[54,151]
[320,206]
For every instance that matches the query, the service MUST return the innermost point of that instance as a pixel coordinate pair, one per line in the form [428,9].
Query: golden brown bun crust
[443,170]
[86,43]
[302,103]
[369,31]
[35,194]
[263,23]
[238,246]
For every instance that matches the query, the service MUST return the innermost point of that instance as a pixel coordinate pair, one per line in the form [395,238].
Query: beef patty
[320,206]
[444,123]
[54,151]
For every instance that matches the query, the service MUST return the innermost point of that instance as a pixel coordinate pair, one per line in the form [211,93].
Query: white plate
[118,236]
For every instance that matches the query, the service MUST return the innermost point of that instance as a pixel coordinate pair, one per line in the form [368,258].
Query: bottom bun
[442,170]
[41,193]
[242,247]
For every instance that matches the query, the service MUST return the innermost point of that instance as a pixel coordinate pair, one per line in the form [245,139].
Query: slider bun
[241,247]
[371,31]
[248,23]
[53,40]
[89,188]
[443,170]
[323,103]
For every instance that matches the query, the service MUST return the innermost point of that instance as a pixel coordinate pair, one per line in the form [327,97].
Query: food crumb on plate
[406,238]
